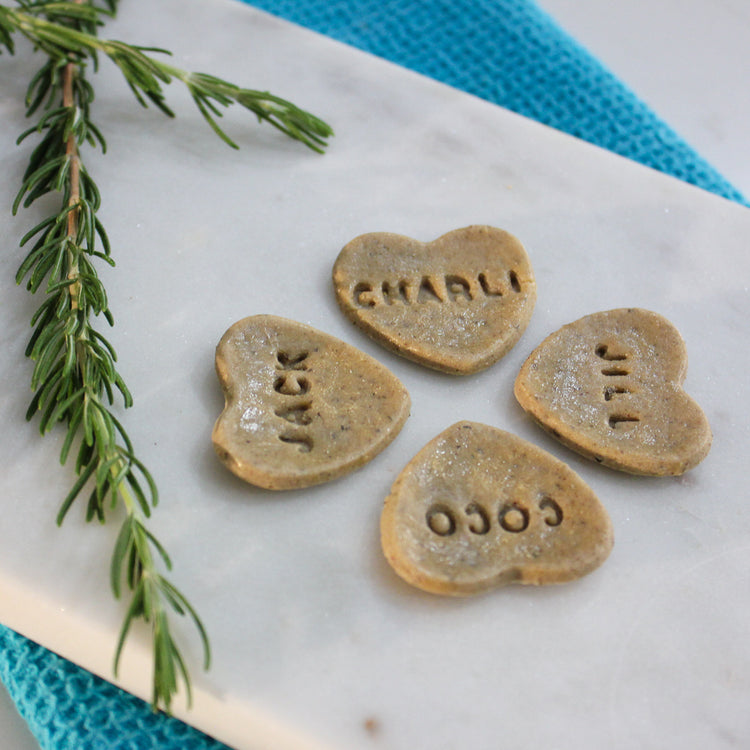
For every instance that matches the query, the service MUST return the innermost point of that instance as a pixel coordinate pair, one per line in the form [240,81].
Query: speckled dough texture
[456,304]
[610,387]
[478,507]
[301,406]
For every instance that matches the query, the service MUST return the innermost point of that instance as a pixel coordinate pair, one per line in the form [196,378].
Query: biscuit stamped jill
[456,304]
[609,386]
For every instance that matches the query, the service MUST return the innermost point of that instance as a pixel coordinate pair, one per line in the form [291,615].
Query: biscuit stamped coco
[478,507]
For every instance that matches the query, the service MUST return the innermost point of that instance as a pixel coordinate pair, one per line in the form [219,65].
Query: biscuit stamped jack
[301,407]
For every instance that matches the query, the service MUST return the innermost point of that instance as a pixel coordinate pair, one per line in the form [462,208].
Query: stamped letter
[394,294]
[364,295]
[489,287]
[458,288]
[428,291]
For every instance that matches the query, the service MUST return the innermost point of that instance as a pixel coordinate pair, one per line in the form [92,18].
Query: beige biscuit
[301,406]
[610,387]
[456,304]
[478,507]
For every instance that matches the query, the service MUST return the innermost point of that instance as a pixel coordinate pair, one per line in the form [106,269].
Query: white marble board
[316,642]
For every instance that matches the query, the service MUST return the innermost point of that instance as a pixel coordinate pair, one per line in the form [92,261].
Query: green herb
[75,380]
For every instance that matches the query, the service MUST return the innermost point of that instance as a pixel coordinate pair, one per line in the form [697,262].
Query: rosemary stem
[74,183]
[71,151]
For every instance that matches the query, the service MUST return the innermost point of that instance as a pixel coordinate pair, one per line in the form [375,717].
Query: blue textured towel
[506,51]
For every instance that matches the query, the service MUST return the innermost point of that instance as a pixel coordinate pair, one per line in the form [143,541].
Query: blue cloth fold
[506,51]
[511,53]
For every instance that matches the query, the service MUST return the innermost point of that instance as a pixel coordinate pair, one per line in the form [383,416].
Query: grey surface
[14,733]
[687,59]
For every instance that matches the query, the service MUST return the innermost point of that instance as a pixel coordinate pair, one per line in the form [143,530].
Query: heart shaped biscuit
[301,406]
[610,387]
[455,304]
[478,507]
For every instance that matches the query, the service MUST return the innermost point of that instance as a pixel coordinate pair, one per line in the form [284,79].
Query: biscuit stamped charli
[456,304]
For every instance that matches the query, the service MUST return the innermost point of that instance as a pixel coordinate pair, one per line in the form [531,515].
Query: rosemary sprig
[74,379]
[71,36]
